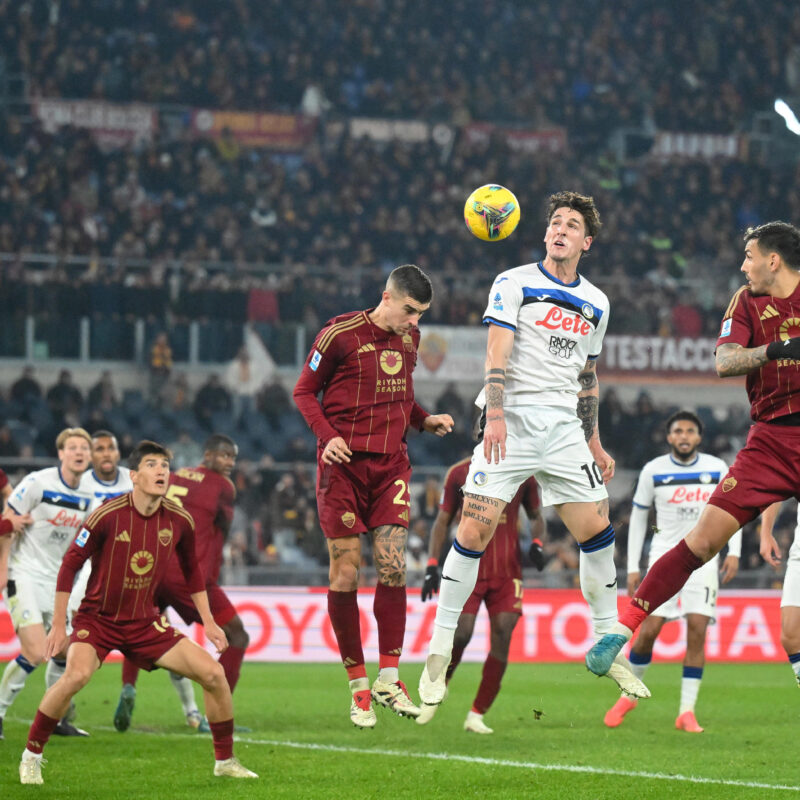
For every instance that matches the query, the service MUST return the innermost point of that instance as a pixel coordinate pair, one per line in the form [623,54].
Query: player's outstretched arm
[430,584]
[57,640]
[498,351]
[588,405]
[213,632]
[440,424]
[769,549]
[733,359]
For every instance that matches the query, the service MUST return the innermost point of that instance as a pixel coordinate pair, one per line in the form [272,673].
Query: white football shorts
[791,580]
[698,595]
[546,442]
[30,602]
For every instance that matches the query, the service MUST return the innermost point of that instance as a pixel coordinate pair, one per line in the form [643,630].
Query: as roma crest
[165,536]
[432,350]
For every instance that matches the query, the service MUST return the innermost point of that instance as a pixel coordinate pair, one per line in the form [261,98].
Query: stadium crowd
[172,229]
[618,67]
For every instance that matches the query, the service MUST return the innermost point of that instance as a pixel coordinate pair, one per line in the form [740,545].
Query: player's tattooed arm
[498,350]
[588,400]
[733,359]
[495,384]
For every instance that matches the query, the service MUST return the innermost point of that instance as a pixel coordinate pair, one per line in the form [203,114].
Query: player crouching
[130,540]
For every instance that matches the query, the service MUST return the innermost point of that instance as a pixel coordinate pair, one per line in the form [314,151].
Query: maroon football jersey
[208,496]
[365,376]
[502,556]
[130,554]
[753,320]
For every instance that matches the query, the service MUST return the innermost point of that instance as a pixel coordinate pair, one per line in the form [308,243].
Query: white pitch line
[531,765]
[491,762]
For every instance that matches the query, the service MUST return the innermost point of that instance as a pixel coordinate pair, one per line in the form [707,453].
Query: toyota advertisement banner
[291,624]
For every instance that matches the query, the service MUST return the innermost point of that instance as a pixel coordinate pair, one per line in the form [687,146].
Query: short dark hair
[147,448]
[410,280]
[688,416]
[777,237]
[581,203]
[217,441]
[103,434]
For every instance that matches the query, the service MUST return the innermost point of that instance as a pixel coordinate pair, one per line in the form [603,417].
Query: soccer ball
[491,212]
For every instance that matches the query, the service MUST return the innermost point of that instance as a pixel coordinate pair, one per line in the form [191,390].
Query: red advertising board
[291,624]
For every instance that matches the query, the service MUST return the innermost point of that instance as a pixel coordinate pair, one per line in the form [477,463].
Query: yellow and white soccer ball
[491,212]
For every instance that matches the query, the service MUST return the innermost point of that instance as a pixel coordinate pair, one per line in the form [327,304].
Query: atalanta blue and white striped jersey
[58,513]
[557,328]
[680,492]
[104,490]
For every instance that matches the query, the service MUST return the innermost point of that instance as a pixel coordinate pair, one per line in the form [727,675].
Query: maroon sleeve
[84,546]
[737,324]
[3,479]
[187,557]
[418,416]
[227,494]
[6,527]
[451,497]
[314,376]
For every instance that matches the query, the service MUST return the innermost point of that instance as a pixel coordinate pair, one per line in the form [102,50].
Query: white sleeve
[596,346]
[637,529]
[645,489]
[735,544]
[505,299]
[26,496]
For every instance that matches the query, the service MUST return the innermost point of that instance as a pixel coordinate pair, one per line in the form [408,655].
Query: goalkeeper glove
[787,349]
[430,586]
[536,554]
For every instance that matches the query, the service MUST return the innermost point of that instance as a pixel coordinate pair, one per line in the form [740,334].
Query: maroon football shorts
[175,593]
[142,641]
[765,470]
[371,490]
[499,594]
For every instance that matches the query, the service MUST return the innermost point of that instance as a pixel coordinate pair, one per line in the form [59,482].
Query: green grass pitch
[304,746]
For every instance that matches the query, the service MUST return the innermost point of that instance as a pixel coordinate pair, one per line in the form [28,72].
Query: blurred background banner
[455,353]
[292,624]
[275,131]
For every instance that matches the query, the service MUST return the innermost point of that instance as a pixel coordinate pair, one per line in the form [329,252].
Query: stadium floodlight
[792,123]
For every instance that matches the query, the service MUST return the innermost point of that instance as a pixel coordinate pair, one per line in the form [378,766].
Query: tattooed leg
[345,562]
[479,517]
[389,553]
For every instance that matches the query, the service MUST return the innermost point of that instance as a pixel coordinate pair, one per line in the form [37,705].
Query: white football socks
[459,575]
[185,689]
[599,587]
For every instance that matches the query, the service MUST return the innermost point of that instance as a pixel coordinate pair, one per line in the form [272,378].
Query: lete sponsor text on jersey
[556,319]
[64,519]
[689,494]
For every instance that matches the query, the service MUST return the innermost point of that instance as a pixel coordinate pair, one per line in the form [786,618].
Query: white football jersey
[58,513]
[557,328]
[104,490]
[680,492]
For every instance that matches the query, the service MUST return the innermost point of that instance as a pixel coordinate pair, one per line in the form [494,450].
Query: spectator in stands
[160,367]
[9,448]
[211,398]
[103,395]
[26,388]
[273,402]
[186,452]
[63,397]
